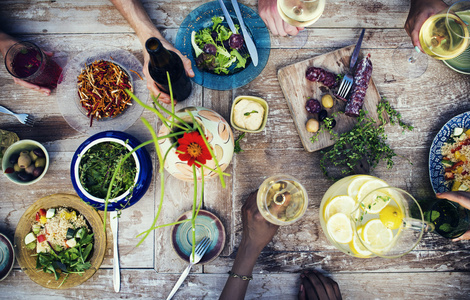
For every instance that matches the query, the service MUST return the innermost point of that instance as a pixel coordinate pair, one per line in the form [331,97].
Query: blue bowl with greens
[96,160]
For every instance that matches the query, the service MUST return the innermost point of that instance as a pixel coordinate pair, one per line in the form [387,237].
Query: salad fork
[199,252]
[23,118]
[348,79]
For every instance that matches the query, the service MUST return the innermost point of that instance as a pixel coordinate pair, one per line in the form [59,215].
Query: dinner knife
[356,51]
[248,41]
[116,270]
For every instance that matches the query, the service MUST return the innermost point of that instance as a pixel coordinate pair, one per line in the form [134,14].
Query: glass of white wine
[300,13]
[443,36]
[282,200]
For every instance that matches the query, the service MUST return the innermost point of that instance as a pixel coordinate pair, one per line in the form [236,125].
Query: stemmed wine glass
[443,36]
[300,13]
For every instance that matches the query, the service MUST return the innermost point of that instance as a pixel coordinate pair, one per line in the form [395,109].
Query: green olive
[24,160]
[16,167]
[33,155]
[40,162]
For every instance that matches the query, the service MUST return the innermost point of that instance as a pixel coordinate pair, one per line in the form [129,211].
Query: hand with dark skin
[267,10]
[6,42]
[315,286]
[462,198]
[134,13]
[420,11]
[257,233]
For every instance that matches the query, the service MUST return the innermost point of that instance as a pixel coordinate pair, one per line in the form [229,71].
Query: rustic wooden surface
[438,268]
[296,89]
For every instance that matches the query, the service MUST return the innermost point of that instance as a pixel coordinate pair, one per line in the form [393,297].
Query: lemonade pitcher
[363,216]
[389,222]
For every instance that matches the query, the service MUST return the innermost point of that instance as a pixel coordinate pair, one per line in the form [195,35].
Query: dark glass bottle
[163,61]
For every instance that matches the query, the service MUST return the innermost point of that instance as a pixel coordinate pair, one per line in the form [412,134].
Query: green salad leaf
[222,59]
[68,261]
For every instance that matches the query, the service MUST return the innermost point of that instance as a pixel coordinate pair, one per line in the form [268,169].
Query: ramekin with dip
[249,113]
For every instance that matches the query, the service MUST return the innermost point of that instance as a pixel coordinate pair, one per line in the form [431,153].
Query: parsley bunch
[366,141]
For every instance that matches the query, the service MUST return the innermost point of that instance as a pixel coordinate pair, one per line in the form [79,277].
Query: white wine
[443,40]
[282,200]
[300,13]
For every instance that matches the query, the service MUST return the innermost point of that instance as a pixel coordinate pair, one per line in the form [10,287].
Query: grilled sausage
[361,82]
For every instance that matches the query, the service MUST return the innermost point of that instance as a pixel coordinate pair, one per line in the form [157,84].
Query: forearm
[235,288]
[6,42]
[138,18]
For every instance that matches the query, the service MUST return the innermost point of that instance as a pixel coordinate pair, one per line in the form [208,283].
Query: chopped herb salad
[218,50]
[62,240]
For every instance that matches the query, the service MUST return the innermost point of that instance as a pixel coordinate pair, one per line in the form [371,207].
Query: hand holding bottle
[151,85]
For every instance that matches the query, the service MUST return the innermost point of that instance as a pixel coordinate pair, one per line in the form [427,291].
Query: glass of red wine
[26,61]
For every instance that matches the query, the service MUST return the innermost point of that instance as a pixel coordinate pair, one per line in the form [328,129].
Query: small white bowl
[17,147]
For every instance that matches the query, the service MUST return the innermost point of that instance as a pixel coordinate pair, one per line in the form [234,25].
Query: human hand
[257,232]
[267,10]
[420,11]
[316,286]
[462,198]
[165,98]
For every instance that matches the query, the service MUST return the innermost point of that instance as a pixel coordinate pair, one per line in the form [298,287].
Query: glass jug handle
[418,225]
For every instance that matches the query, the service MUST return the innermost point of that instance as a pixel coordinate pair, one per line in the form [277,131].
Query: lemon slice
[339,228]
[357,247]
[339,204]
[374,203]
[376,235]
[355,185]
[391,217]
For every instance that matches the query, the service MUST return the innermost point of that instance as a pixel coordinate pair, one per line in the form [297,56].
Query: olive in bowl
[25,162]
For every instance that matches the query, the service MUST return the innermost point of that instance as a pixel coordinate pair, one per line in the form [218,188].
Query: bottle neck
[159,55]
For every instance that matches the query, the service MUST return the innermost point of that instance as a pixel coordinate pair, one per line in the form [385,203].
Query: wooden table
[437,268]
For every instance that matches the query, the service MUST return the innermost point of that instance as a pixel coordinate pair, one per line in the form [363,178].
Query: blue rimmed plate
[436,169]
[201,18]
[207,224]
[143,164]
[7,256]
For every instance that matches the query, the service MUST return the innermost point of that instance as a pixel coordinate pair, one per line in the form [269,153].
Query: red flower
[193,147]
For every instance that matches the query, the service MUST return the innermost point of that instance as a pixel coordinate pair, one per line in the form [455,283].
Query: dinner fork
[348,79]
[199,252]
[23,118]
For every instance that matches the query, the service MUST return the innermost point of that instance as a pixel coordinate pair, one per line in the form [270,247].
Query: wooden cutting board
[297,90]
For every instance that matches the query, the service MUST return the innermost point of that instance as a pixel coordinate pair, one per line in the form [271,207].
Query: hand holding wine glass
[420,11]
[267,10]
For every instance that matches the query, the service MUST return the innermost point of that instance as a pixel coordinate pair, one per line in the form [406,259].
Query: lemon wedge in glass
[339,204]
[391,217]
[373,202]
[377,235]
[339,228]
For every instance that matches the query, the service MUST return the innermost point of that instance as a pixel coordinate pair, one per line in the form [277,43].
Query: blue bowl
[142,180]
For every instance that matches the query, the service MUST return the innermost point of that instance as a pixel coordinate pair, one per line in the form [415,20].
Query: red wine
[163,61]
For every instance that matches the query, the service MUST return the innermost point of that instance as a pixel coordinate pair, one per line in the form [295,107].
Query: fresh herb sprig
[237,148]
[366,140]
[250,112]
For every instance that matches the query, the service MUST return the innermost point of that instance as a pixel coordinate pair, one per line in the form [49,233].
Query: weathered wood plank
[146,284]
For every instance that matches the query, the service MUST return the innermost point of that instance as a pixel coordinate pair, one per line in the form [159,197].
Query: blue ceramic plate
[143,163]
[7,257]
[436,169]
[201,18]
[461,63]
[207,224]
